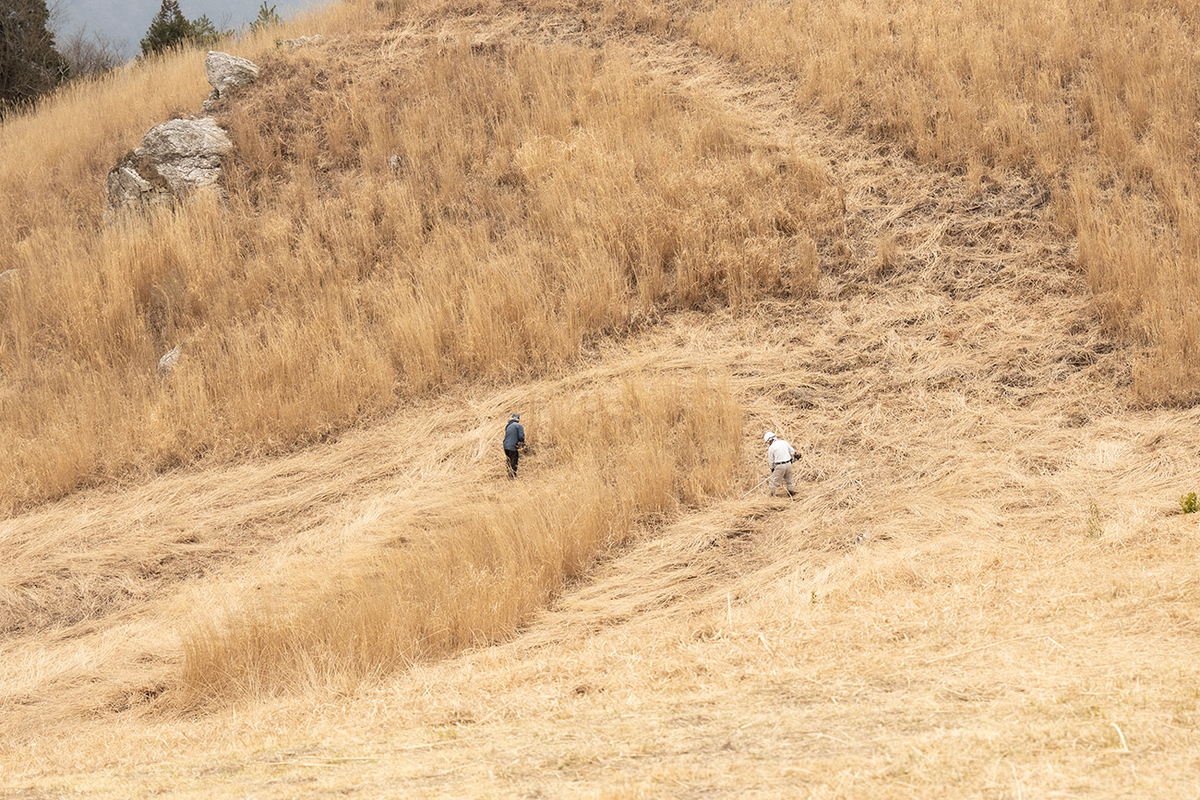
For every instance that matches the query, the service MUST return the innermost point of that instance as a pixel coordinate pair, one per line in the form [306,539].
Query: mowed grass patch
[470,571]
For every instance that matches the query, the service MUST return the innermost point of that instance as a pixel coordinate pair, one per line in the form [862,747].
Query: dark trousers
[513,457]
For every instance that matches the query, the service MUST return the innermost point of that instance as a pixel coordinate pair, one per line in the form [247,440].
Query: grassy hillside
[1097,101]
[393,227]
[295,565]
[382,219]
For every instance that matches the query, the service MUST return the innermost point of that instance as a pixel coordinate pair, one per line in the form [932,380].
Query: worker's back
[779,452]
[514,434]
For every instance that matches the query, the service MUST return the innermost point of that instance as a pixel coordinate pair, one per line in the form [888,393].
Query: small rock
[302,41]
[227,72]
[9,276]
[395,162]
[166,364]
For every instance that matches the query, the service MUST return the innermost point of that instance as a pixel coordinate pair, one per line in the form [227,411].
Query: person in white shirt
[780,456]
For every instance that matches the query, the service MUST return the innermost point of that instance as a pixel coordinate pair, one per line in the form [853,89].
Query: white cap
[768,436]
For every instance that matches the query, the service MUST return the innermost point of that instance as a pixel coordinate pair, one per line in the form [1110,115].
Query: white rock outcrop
[226,72]
[176,159]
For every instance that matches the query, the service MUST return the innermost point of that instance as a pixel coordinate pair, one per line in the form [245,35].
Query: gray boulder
[226,72]
[9,276]
[176,158]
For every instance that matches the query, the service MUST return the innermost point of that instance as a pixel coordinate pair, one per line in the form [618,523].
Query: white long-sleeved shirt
[779,451]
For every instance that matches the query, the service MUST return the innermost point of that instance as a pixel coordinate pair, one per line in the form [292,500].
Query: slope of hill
[983,587]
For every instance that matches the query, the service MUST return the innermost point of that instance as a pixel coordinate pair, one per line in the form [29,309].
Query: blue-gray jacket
[514,434]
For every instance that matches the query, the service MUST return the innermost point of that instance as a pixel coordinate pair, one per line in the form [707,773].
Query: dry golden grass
[980,637]
[327,259]
[405,212]
[428,581]
[77,340]
[982,590]
[1096,101]
[119,598]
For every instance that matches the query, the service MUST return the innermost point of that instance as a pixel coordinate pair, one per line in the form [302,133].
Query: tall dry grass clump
[470,571]
[1098,99]
[404,212]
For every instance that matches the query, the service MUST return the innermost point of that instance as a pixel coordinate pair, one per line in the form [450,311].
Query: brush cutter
[791,495]
[747,494]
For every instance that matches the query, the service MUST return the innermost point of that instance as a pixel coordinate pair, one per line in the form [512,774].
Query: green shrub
[1189,504]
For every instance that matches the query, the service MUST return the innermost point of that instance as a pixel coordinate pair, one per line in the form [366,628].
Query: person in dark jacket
[514,440]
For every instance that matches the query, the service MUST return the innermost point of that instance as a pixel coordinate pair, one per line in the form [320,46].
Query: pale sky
[126,21]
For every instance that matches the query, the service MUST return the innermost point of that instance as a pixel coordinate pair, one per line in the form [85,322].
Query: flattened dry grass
[470,572]
[339,564]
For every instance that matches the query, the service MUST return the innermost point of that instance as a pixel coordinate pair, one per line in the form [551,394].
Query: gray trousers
[782,473]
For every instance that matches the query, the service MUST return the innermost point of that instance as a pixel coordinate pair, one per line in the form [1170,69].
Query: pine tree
[204,32]
[29,64]
[267,17]
[169,28]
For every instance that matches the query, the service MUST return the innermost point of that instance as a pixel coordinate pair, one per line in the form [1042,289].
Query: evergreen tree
[267,17]
[29,64]
[169,28]
[204,33]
